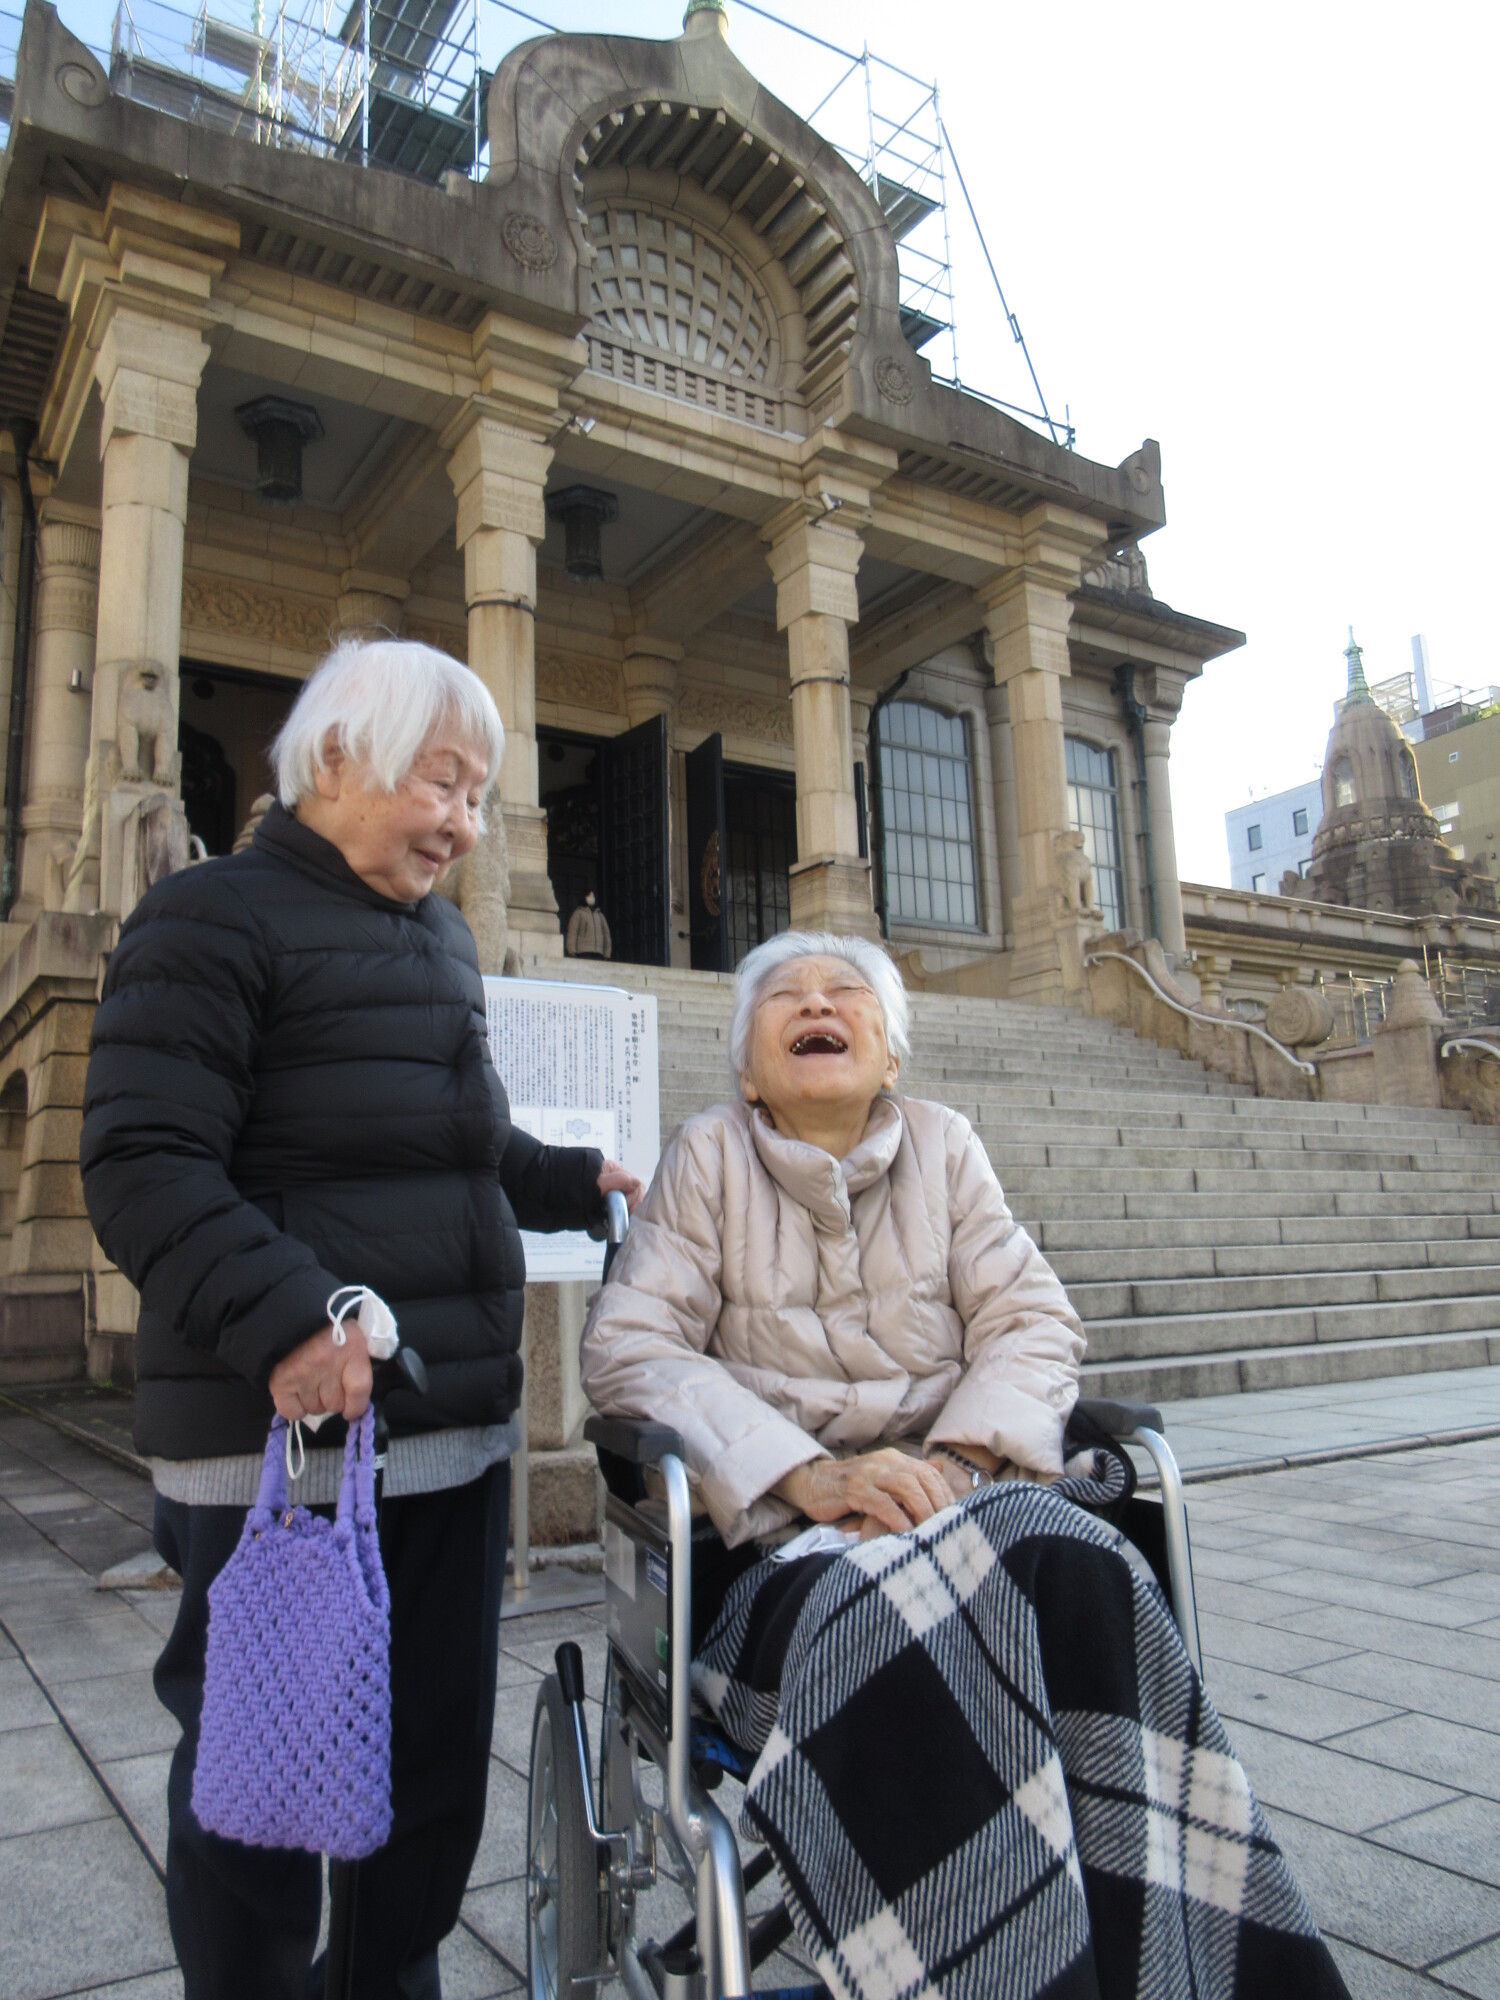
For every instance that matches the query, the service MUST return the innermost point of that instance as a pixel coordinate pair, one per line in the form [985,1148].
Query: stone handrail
[1195,1014]
[1462,1042]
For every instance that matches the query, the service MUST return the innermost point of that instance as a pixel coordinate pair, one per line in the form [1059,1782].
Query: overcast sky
[1262,235]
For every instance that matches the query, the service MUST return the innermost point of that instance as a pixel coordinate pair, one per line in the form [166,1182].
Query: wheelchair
[592,1856]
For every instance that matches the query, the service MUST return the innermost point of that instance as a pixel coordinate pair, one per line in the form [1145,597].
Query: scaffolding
[401,85]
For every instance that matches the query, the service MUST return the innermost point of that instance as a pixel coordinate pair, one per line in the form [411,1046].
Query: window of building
[926,817]
[1406,775]
[1302,868]
[1094,811]
[1299,819]
[1253,836]
[1343,783]
[1257,882]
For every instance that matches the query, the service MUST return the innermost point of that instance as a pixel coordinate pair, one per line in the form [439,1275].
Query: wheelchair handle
[617,1216]
[569,1662]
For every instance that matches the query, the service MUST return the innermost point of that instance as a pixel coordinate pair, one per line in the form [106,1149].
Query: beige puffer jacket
[774,1305]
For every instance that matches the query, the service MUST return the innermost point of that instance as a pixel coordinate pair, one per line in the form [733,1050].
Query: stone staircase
[1210,1242]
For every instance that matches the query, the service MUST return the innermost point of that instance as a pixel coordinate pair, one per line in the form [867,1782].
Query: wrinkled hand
[319,1379]
[615,1179]
[890,1490]
[954,1477]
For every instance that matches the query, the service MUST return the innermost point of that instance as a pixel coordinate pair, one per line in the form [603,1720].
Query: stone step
[1152,1206]
[1119,1299]
[1172,1378]
[1106,1237]
[1265,1261]
[1469,1144]
[1296,1184]
[1011,1150]
[1144,1337]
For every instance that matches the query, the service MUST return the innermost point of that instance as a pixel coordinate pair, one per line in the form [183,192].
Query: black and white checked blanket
[987,1771]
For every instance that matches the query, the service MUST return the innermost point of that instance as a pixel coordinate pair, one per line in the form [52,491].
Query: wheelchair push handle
[616,1222]
[569,1662]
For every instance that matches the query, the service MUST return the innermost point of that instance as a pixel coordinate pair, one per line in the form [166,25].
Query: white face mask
[377,1323]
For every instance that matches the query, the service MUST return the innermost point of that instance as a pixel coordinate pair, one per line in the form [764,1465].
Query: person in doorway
[588,931]
[290,1093]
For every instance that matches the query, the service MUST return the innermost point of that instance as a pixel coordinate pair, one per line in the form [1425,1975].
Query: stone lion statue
[1074,874]
[146,723]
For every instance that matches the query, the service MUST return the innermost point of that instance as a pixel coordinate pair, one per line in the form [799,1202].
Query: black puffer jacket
[290,1089]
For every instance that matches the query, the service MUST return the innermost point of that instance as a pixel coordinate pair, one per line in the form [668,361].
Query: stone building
[1378,846]
[782,629]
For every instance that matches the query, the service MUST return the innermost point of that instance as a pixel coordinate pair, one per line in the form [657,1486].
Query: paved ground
[1351,1623]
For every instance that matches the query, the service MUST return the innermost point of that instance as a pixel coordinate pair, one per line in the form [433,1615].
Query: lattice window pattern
[926,817]
[1094,811]
[659,282]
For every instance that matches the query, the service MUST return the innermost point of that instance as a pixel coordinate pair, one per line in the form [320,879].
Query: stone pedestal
[815,564]
[67,602]
[498,474]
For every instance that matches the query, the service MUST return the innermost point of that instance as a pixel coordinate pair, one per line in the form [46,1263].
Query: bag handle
[357,1488]
[271,1499]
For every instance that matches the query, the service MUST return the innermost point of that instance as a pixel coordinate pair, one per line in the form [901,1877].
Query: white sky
[1264,236]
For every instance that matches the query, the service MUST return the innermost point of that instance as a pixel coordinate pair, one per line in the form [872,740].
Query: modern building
[1270,836]
[1459,770]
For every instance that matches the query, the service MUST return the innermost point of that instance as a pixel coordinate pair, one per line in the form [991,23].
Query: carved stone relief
[735,714]
[300,623]
[529,241]
[893,379]
[579,683]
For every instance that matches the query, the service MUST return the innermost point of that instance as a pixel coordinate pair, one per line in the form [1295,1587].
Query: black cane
[403,1371]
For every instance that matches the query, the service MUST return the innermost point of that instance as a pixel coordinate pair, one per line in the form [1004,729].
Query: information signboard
[579,1063]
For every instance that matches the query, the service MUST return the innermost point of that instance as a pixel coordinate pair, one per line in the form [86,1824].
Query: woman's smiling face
[817,1040]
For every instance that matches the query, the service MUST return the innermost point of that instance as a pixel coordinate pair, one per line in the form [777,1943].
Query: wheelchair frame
[622,1849]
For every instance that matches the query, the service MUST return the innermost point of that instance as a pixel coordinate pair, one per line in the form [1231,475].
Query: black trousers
[245,1919]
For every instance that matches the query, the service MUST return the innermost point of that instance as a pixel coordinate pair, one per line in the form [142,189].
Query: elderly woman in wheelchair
[863,1554]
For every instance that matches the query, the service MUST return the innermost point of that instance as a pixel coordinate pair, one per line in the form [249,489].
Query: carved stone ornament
[450,639]
[82,84]
[529,241]
[1300,1017]
[709,884]
[735,714]
[578,683]
[893,379]
[302,624]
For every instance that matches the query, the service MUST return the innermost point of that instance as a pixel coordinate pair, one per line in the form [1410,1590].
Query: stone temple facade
[782,629]
[1377,846]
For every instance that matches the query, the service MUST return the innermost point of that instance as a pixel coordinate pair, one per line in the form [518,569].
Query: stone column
[1007,839]
[1027,612]
[815,564]
[498,474]
[370,605]
[67,605]
[1158,735]
[147,371]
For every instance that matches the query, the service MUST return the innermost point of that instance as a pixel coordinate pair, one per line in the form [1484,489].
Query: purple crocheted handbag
[294,1747]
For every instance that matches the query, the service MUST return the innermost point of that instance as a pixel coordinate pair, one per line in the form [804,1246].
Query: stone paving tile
[45,1783]
[471,1971]
[1370,1978]
[1428,1747]
[1322,1784]
[116,1715]
[1458,1697]
[497,1915]
[1389,1903]
[140,1785]
[1402,1638]
[153,1986]
[1463,1835]
[1364,1594]
[1270,1646]
[1476,1972]
[1251,1601]
[1381,1562]
[1291,1706]
[87,1648]
[22,1703]
[502,1846]
[82,1908]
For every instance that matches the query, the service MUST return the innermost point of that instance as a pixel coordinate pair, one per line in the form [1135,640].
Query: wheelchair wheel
[563,1875]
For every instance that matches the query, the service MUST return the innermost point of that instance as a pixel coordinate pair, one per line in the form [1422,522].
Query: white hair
[381,701]
[874,968]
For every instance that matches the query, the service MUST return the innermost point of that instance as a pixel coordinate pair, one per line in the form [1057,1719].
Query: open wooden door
[708,857]
[635,844]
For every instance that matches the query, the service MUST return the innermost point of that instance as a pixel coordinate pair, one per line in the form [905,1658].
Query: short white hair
[874,968]
[381,701]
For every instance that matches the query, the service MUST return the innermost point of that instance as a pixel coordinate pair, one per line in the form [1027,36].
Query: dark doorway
[607,830]
[568,788]
[227,723]
[707,857]
[760,817]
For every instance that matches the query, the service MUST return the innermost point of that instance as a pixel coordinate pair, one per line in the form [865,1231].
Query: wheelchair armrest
[634,1440]
[1118,1420]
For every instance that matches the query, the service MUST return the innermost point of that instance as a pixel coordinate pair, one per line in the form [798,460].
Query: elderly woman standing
[290,1092]
[984,1764]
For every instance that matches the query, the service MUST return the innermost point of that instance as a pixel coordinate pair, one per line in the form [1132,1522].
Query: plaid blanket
[986,1768]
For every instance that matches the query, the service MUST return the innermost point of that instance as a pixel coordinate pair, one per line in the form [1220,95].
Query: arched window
[1406,775]
[927,825]
[1094,811]
[1343,783]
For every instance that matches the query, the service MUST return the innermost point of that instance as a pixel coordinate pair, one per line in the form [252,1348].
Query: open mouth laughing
[821,1042]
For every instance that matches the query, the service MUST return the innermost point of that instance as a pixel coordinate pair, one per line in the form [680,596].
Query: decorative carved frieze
[450,639]
[579,683]
[736,714]
[893,379]
[529,241]
[212,604]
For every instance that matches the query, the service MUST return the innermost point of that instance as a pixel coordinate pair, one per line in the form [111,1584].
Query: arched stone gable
[683,123]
